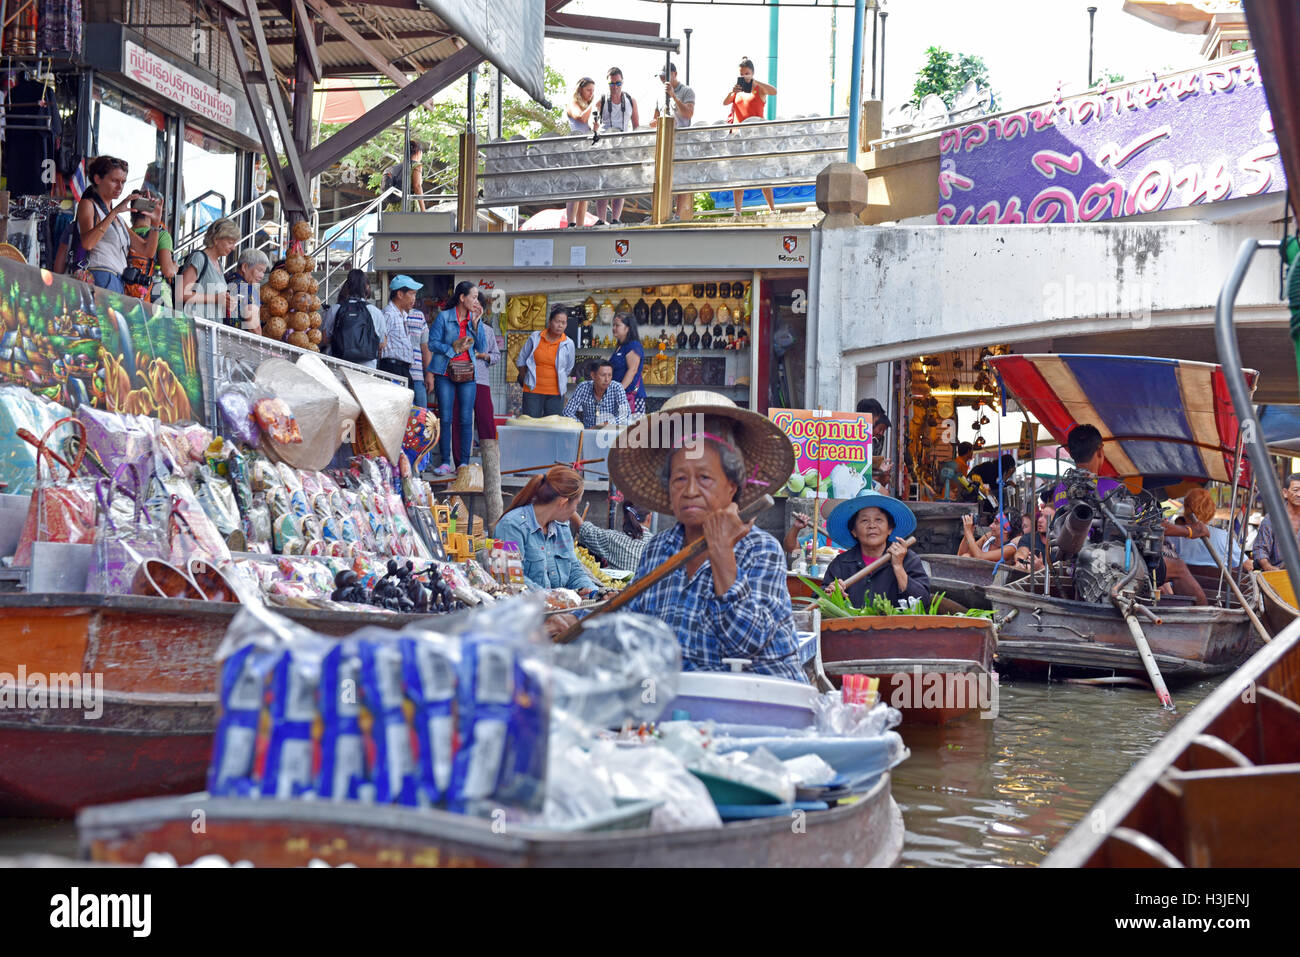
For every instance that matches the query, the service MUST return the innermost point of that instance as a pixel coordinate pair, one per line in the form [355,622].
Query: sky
[1029,47]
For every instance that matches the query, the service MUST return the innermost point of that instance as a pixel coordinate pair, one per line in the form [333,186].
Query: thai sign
[1192,138]
[832,452]
[177,85]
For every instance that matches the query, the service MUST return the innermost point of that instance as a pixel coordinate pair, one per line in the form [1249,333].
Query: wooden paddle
[873,567]
[689,551]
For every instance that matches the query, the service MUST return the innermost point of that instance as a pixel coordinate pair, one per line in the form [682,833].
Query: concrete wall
[902,181]
[893,292]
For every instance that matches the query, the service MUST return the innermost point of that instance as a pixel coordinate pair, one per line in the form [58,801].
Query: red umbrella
[553,219]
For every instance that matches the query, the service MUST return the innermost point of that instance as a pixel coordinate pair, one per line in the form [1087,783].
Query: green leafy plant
[836,604]
[944,74]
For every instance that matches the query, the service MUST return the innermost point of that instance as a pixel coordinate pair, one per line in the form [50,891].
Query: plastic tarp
[508,32]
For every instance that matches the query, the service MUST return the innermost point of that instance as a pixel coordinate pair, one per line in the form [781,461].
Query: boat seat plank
[1279,727]
[1241,817]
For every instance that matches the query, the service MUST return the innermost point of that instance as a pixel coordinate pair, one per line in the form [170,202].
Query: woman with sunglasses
[579,114]
[104,238]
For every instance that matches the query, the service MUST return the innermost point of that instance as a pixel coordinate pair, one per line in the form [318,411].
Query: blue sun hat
[841,520]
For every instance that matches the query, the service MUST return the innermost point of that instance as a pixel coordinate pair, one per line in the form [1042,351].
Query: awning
[507,32]
[1281,426]
[1166,420]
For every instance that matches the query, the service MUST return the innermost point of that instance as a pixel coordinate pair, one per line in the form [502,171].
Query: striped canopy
[1167,420]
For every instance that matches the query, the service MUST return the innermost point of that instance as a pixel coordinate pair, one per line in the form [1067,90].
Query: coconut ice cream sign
[1191,138]
[832,452]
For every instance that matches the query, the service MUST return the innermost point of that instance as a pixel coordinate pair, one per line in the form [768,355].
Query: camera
[142,204]
[746,84]
[133,276]
[663,76]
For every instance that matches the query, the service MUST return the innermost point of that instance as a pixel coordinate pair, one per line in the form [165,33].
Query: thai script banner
[175,84]
[832,452]
[1192,138]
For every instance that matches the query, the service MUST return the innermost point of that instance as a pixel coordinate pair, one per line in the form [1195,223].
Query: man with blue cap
[867,528]
[396,354]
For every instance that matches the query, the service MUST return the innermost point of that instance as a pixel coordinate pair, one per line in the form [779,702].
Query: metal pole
[471,82]
[405,163]
[834,11]
[875,22]
[1230,358]
[1092,15]
[855,81]
[883,15]
[500,109]
[1232,509]
[668,59]
[687,31]
[773,45]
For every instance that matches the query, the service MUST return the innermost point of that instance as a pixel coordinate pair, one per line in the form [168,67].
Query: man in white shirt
[396,354]
[616,112]
[682,98]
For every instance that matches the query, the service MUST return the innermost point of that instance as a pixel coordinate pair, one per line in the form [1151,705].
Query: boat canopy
[1167,420]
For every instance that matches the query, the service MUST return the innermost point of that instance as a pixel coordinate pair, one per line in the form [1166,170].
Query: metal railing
[1225,337]
[360,253]
[183,246]
[221,347]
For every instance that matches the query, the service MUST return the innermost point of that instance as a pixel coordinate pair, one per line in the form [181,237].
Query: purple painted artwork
[1191,138]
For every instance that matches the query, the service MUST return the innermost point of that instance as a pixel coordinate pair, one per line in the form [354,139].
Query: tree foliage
[437,128]
[1109,77]
[944,74]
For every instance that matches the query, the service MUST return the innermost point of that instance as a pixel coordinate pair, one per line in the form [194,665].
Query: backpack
[392,178]
[354,339]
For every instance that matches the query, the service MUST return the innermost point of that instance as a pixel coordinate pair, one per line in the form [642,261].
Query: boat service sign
[832,452]
[1196,137]
[184,89]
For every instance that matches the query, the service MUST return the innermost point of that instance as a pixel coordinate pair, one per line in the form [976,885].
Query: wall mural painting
[76,344]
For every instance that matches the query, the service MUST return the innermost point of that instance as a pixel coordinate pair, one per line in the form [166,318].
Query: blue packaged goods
[295,682]
[243,687]
[502,721]
[343,752]
[429,664]
[389,734]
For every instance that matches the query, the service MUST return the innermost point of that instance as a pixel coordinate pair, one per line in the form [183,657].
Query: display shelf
[674,353]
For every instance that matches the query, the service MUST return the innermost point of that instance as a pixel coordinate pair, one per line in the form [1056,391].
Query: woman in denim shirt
[453,334]
[538,520]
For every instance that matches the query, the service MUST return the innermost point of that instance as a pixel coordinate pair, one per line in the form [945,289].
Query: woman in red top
[748,100]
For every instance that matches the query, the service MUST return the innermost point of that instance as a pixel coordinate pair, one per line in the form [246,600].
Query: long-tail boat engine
[1115,542]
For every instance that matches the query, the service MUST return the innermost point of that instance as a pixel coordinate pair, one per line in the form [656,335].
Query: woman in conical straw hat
[701,459]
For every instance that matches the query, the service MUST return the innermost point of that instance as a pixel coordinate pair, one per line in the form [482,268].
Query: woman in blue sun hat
[868,527]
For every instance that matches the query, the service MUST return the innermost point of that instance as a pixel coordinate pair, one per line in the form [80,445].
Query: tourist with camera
[99,250]
[579,113]
[748,101]
[682,101]
[203,290]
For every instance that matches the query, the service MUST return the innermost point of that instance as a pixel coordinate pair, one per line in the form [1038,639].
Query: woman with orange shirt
[748,100]
[544,364]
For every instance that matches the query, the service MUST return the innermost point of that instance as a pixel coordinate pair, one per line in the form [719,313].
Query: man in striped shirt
[395,357]
[600,399]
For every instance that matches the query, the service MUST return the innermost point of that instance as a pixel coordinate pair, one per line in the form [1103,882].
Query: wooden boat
[1038,632]
[1280,607]
[277,833]
[964,579]
[1222,789]
[155,659]
[933,668]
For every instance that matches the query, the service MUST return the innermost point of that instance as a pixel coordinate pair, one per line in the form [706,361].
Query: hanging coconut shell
[276,305]
[315,302]
[274,327]
[299,283]
[315,336]
[313,287]
[300,302]
[302,230]
[299,321]
[279,278]
[315,320]
[299,339]
[297,264]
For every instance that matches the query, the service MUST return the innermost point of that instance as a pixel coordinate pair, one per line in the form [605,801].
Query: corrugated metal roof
[411,38]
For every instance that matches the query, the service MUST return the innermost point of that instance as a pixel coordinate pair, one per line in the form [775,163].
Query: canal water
[1003,792]
[976,793]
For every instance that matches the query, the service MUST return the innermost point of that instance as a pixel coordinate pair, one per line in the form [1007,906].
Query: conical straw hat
[349,408]
[315,408]
[637,459]
[385,406]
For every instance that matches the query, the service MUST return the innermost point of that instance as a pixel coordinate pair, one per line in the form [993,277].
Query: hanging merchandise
[706,313]
[697,290]
[606,312]
[63,505]
[590,309]
[675,313]
[658,313]
[690,313]
[711,290]
[624,306]
[693,342]
[724,290]
[641,312]
[706,340]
